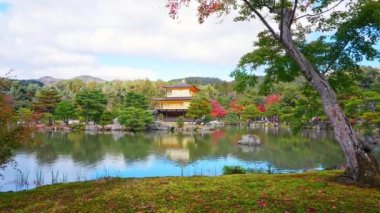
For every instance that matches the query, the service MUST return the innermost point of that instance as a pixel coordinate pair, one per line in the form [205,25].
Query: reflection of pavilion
[174,141]
[176,147]
[179,155]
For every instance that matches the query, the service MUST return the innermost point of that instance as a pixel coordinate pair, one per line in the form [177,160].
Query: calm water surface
[67,157]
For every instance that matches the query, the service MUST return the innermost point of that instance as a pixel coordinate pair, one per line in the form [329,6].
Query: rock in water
[249,140]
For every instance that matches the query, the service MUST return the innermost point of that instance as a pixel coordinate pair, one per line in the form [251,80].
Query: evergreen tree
[135,119]
[92,104]
[198,108]
[65,110]
[47,100]
[133,99]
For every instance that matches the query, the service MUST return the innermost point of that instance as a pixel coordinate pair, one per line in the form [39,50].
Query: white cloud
[44,37]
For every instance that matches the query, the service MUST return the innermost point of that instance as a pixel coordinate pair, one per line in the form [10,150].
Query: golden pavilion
[177,100]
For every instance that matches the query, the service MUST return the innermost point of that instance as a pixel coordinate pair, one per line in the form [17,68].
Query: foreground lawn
[310,192]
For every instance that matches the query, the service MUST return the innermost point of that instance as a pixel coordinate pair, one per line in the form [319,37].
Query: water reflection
[83,156]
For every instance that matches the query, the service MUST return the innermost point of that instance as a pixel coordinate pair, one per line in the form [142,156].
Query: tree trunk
[361,165]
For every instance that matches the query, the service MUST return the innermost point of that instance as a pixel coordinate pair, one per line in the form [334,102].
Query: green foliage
[243,80]
[161,117]
[23,114]
[232,118]
[135,119]
[273,110]
[180,122]
[47,101]
[46,118]
[250,112]
[92,104]
[198,108]
[65,111]
[106,118]
[230,170]
[133,99]
[208,92]
[23,94]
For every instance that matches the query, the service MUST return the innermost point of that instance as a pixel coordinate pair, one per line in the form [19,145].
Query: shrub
[229,170]
[135,119]
[180,122]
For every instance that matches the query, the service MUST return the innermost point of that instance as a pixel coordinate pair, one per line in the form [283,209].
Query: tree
[24,115]
[23,94]
[250,113]
[208,92]
[12,132]
[180,122]
[217,110]
[106,118]
[236,108]
[65,111]
[273,112]
[198,108]
[286,53]
[47,100]
[135,118]
[133,99]
[92,104]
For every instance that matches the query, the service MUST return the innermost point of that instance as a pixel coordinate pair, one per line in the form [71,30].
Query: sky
[118,39]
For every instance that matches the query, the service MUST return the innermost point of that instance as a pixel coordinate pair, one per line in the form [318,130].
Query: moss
[307,192]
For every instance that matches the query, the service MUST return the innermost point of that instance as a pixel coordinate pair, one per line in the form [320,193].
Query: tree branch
[336,56]
[267,6]
[262,19]
[293,12]
[282,19]
[317,14]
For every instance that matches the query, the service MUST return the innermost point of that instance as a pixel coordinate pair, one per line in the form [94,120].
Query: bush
[180,122]
[135,119]
[229,170]
[79,126]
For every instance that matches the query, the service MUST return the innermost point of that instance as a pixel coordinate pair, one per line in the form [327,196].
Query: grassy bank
[308,192]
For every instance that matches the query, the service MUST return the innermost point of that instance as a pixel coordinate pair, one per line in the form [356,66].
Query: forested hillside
[295,104]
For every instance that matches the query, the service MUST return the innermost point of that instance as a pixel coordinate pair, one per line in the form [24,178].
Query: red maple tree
[261,107]
[235,107]
[217,110]
[272,99]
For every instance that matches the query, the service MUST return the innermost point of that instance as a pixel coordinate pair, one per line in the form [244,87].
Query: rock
[92,127]
[159,126]
[249,140]
[113,127]
[216,124]
[117,127]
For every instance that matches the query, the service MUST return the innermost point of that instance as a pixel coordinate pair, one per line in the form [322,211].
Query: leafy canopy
[135,119]
[92,104]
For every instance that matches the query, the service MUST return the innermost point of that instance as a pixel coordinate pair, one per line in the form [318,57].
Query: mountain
[48,80]
[199,81]
[85,78]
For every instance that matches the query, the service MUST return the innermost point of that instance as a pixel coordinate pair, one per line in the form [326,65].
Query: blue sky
[4,7]
[113,40]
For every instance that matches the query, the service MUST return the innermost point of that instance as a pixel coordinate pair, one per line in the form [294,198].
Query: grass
[309,192]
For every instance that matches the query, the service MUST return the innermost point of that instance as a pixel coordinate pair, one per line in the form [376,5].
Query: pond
[67,157]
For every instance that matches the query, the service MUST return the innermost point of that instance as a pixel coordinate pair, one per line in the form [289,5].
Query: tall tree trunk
[362,166]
